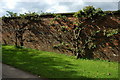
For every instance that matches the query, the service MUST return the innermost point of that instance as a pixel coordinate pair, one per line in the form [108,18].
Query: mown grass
[53,65]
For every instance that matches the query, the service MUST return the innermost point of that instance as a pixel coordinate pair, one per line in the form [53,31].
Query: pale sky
[54,6]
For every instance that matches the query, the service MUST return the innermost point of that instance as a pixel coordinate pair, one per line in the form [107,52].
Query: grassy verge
[53,65]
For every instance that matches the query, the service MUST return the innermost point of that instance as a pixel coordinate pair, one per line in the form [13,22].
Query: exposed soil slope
[43,36]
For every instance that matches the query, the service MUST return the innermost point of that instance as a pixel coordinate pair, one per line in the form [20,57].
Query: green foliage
[46,13]
[111,32]
[64,28]
[89,12]
[57,15]
[57,46]
[51,23]
[99,12]
[29,15]
[92,45]
[79,14]
[60,45]
[11,14]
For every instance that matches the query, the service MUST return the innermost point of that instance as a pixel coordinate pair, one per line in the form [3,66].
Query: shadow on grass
[42,65]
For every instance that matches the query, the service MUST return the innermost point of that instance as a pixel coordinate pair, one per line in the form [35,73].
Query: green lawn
[53,65]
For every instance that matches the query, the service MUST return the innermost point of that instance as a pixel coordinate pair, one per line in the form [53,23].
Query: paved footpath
[11,72]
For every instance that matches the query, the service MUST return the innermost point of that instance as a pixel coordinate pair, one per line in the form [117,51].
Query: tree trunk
[21,41]
[79,55]
[89,53]
[5,42]
[16,40]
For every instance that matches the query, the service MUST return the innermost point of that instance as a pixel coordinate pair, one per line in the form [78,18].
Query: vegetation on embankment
[52,65]
[89,33]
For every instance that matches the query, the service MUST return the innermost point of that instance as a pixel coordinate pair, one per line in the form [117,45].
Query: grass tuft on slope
[53,65]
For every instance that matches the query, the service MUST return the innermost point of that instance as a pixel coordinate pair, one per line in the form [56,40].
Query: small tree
[18,27]
[88,44]
[83,44]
